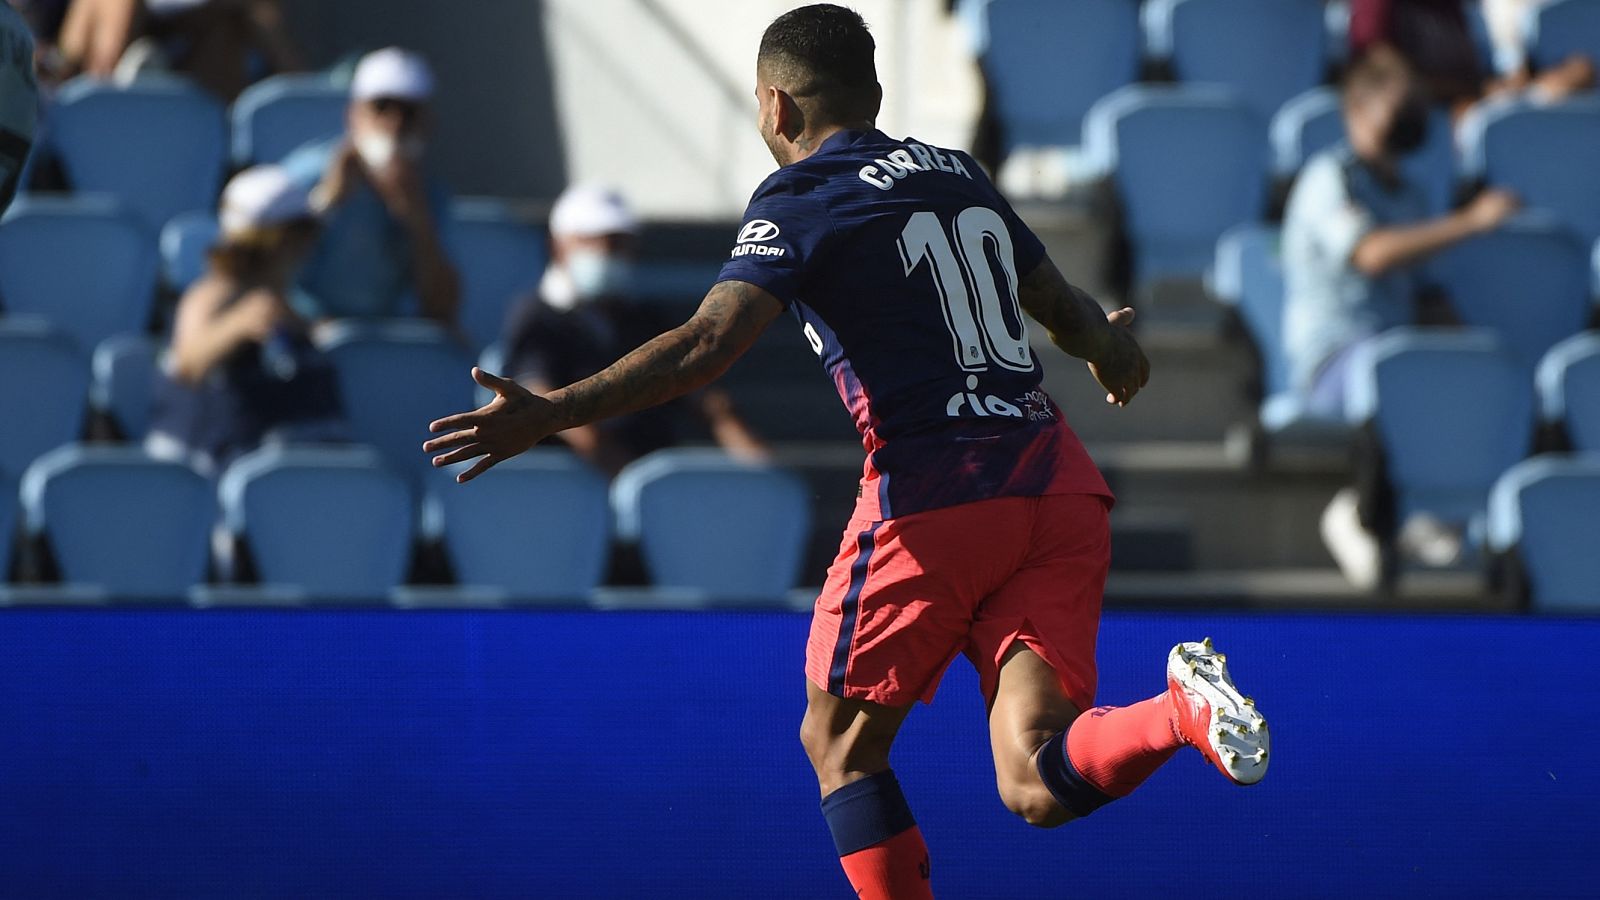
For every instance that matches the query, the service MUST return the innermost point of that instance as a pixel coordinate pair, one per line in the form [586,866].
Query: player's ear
[789,119]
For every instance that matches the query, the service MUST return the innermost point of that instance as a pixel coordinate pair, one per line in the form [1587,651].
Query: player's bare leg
[879,845]
[1028,709]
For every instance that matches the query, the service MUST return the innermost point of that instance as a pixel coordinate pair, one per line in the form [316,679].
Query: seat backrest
[185,242]
[1545,154]
[1562,28]
[1249,274]
[8,522]
[1305,126]
[1452,409]
[1527,282]
[159,146]
[276,115]
[1047,62]
[1189,164]
[116,518]
[124,371]
[81,264]
[1264,51]
[337,523]
[500,258]
[1569,388]
[44,390]
[1545,508]
[537,526]
[395,378]
[709,523]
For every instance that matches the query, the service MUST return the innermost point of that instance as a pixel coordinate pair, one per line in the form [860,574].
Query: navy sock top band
[867,812]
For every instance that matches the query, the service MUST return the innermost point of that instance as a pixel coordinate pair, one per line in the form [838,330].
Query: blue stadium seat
[185,242]
[1569,389]
[1544,509]
[335,524]
[44,390]
[395,378]
[159,146]
[8,522]
[1047,62]
[124,371]
[1543,153]
[1264,51]
[709,523]
[116,519]
[1314,121]
[276,115]
[80,264]
[1562,28]
[1452,410]
[537,527]
[500,258]
[1189,163]
[1529,282]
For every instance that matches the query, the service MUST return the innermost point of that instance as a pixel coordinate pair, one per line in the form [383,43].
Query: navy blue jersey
[902,261]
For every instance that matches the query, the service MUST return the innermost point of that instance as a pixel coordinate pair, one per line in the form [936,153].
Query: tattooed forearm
[675,363]
[1076,323]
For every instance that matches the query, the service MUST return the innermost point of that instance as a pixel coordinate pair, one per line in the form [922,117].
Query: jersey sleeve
[779,242]
[1027,249]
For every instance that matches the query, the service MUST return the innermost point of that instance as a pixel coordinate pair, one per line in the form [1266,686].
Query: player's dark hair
[824,54]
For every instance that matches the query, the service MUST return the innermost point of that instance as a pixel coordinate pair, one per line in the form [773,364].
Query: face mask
[1409,127]
[379,148]
[595,274]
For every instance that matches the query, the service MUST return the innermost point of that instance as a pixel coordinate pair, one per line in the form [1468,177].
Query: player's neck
[807,143]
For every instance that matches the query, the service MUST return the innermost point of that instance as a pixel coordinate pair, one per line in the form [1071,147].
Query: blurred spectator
[1508,33]
[224,45]
[242,369]
[19,102]
[383,214]
[1354,235]
[585,318]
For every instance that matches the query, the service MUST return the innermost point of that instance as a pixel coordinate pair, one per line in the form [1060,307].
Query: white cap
[590,210]
[392,72]
[261,197]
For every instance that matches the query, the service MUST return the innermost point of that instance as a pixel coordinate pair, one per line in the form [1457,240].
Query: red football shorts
[906,595]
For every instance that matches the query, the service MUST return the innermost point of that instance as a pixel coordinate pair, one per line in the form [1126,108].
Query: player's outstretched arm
[690,356]
[1080,328]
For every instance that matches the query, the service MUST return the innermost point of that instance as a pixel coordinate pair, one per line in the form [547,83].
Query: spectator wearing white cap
[586,316]
[241,368]
[383,215]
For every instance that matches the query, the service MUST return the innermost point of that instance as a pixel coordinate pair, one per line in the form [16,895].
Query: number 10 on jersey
[964,268]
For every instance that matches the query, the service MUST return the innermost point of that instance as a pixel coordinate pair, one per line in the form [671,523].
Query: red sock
[1116,748]
[895,869]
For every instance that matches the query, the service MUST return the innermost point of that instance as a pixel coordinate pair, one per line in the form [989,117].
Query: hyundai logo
[758,231]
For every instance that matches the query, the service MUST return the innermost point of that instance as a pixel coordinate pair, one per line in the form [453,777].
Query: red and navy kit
[981,520]
[901,261]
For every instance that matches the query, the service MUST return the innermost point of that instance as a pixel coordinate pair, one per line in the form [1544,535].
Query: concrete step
[1316,588]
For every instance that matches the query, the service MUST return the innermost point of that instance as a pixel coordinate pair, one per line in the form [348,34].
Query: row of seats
[45,240]
[1530,282]
[338,524]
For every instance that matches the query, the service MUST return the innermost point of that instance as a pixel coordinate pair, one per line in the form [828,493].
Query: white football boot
[1213,716]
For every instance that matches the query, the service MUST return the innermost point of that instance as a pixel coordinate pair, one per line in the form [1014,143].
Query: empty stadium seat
[159,146]
[709,523]
[1047,62]
[1562,28]
[333,524]
[1189,163]
[1452,410]
[79,263]
[1264,51]
[500,258]
[1528,282]
[124,376]
[276,115]
[1543,153]
[185,243]
[8,523]
[395,378]
[44,389]
[536,527]
[1544,509]
[116,519]
[1569,389]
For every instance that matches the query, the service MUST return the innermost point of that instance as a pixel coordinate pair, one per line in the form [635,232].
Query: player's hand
[1120,366]
[513,421]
